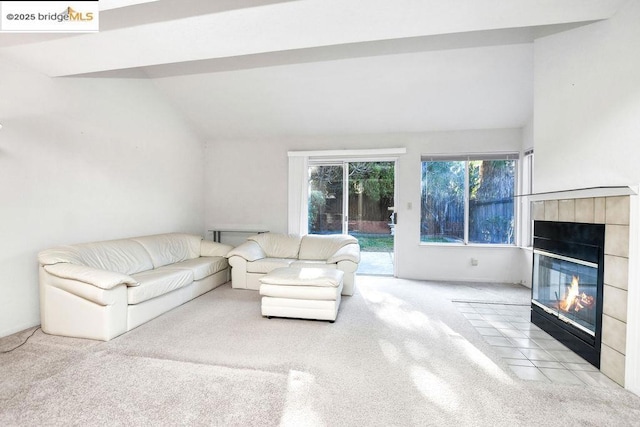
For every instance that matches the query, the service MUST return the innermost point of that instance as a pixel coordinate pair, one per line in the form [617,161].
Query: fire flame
[575,300]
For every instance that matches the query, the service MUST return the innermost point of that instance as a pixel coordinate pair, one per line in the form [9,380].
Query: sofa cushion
[201,267]
[121,256]
[249,250]
[322,247]
[209,248]
[166,249]
[154,283]
[102,279]
[60,254]
[277,245]
[265,265]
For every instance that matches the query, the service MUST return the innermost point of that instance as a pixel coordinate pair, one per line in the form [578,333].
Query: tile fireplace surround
[614,212]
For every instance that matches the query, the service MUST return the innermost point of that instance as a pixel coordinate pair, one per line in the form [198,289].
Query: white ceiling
[264,68]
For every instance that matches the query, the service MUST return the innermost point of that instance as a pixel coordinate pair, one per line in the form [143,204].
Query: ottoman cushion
[290,276]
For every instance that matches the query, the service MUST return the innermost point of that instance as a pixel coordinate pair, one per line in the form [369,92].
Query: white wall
[587,127]
[84,160]
[249,179]
[246,183]
[587,104]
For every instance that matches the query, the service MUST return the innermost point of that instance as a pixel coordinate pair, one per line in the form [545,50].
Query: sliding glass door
[326,199]
[356,198]
[371,201]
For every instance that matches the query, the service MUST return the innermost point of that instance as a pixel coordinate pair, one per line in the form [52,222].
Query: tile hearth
[531,353]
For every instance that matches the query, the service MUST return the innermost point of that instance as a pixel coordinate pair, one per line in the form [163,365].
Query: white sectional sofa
[265,252]
[103,289]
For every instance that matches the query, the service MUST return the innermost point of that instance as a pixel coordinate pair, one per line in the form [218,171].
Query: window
[468,200]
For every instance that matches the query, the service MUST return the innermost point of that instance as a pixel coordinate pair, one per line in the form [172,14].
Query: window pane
[371,201]
[325,199]
[442,213]
[491,210]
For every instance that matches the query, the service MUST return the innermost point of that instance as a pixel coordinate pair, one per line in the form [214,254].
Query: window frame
[467,158]
[526,218]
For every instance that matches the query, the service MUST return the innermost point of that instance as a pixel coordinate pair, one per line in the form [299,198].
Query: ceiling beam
[169,32]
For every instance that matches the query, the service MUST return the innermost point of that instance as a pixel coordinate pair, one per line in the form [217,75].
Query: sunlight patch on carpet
[389,350]
[395,312]
[435,389]
[302,391]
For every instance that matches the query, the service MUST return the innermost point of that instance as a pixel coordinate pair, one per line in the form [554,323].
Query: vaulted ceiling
[265,68]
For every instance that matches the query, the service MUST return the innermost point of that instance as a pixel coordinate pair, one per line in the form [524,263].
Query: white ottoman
[303,293]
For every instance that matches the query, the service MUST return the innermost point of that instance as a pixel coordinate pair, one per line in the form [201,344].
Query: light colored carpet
[399,354]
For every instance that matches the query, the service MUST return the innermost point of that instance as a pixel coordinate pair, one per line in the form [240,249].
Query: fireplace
[567,285]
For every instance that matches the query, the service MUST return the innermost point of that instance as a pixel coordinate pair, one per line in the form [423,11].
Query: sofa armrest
[251,251]
[208,248]
[102,279]
[350,252]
